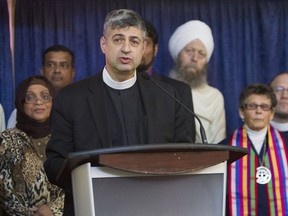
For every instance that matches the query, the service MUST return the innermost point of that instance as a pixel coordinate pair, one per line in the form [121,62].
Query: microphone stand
[202,130]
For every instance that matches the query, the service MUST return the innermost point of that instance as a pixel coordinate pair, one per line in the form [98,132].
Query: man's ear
[155,50]
[41,71]
[73,73]
[103,44]
[144,46]
[241,114]
[272,114]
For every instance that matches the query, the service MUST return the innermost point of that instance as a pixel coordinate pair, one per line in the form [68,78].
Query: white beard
[189,74]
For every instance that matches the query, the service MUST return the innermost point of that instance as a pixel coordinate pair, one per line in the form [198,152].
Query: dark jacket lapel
[149,103]
[97,105]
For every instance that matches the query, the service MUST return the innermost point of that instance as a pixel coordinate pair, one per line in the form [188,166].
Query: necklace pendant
[263,175]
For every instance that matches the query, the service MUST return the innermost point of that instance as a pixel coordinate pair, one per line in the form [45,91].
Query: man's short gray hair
[123,18]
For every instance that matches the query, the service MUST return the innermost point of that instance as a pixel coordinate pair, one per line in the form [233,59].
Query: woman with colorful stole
[258,182]
[24,186]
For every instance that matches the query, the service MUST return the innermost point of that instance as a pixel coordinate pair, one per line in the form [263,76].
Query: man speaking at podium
[115,107]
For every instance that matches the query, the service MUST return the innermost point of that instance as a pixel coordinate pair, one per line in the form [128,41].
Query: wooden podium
[149,180]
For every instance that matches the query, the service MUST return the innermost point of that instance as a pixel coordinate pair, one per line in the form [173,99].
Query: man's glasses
[279,89]
[31,98]
[254,106]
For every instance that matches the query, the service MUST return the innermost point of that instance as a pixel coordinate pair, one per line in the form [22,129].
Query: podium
[148,180]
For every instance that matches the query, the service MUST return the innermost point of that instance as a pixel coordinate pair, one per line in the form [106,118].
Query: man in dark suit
[183,89]
[115,107]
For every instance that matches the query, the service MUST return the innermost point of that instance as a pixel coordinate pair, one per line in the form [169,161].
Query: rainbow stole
[242,185]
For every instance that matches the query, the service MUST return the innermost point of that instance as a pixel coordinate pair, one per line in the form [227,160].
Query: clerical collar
[257,137]
[118,85]
[280,126]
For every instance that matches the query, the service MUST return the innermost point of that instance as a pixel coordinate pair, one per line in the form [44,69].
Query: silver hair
[123,18]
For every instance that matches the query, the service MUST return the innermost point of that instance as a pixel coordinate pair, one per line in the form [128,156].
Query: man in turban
[191,47]
[146,66]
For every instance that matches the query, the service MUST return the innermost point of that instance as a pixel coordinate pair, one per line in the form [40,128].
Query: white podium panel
[111,192]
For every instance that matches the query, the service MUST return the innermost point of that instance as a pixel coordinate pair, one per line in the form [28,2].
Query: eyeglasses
[31,98]
[279,89]
[253,106]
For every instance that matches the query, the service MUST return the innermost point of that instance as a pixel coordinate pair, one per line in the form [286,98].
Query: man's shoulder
[212,88]
[212,91]
[282,127]
[81,85]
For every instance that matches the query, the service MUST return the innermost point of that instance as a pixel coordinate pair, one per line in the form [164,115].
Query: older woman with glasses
[258,182]
[24,187]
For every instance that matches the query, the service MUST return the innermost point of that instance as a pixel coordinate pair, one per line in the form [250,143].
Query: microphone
[202,130]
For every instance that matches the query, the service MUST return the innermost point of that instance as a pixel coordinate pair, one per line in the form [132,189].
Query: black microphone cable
[202,130]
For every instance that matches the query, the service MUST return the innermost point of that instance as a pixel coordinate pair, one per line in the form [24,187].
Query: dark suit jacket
[185,95]
[79,122]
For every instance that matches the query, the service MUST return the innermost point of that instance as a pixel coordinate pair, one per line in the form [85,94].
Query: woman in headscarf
[258,182]
[24,187]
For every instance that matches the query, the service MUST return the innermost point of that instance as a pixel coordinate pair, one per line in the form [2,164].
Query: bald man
[191,47]
[280,86]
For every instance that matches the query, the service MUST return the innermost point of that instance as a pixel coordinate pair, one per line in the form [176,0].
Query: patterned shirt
[23,181]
